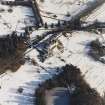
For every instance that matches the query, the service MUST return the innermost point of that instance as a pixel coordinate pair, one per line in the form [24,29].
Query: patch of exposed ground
[82,95]
[14,61]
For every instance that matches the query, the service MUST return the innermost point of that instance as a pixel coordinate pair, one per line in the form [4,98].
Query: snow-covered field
[15,18]
[98,14]
[60,8]
[29,76]
[75,48]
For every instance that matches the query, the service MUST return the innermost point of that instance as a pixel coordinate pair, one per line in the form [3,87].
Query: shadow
[62,97]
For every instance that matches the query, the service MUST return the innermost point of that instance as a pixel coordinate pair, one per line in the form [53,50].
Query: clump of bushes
[10,10]
[2,10]
[97,50]
[20,90]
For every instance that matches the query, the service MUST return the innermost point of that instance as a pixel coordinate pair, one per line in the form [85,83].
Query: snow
[19,18]
[29,76]
[98,14]
[75,48]
[57,7]
[36,32]
[75,52]
[60,8]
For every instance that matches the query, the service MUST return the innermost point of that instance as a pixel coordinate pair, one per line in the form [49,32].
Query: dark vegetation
[14,60]
[83,94]
[97,50]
